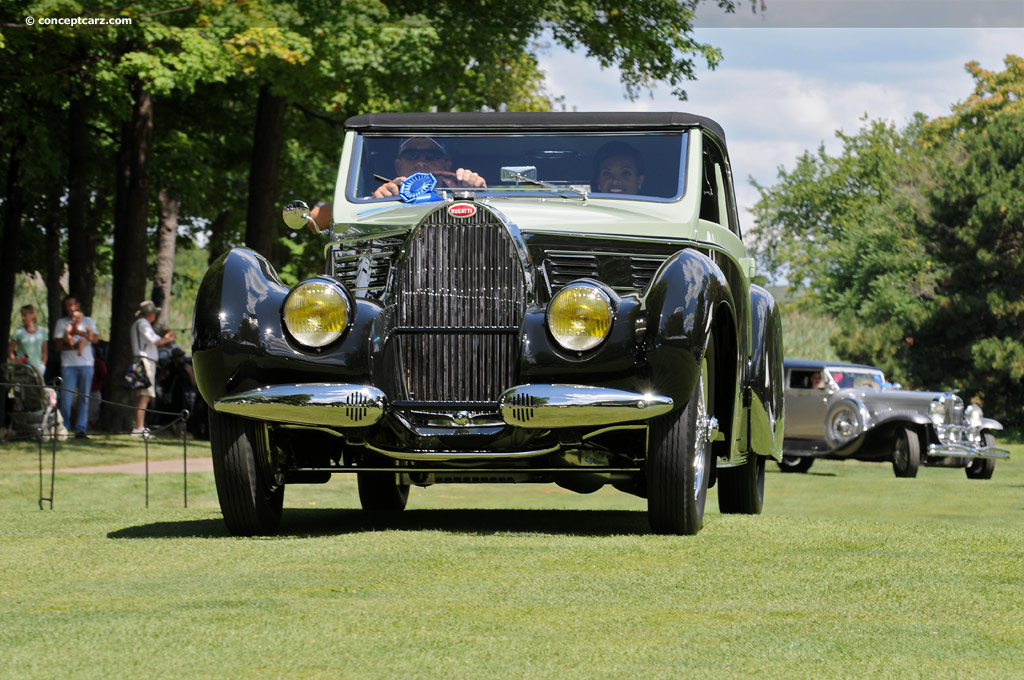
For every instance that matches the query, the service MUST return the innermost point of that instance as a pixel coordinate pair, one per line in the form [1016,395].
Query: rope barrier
[41,434]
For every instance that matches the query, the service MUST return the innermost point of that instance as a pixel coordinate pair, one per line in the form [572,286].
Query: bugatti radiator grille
[460,300]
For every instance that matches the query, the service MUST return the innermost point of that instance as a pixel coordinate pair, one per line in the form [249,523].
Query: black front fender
[238,339]
[681,304]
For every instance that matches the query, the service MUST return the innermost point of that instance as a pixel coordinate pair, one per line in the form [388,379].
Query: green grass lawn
[849,572]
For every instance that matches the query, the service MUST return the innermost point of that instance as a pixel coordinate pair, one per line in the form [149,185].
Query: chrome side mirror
[296,216]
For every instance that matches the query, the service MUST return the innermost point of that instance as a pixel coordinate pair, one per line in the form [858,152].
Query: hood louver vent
[624,273]
[364,269]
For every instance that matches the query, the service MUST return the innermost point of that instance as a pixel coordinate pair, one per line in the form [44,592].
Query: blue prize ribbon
[419,188]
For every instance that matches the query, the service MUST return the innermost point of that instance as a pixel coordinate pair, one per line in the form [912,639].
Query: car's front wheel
[249,477]
[679,460]
[906,452]
[795,463]
[381,491]
[982,468]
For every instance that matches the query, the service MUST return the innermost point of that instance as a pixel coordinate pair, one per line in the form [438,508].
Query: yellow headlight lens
[580,317]
[316,313]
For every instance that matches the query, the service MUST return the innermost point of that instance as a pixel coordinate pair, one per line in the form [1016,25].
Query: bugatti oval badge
[462,210]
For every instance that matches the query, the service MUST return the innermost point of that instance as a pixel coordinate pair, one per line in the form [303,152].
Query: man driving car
[415,154]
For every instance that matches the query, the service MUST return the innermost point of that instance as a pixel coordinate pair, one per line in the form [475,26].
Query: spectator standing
[145,341]
[76,363]
[29,342]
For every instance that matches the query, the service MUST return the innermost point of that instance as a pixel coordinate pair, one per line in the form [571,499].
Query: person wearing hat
[415,154]
[76,363]
[145,341]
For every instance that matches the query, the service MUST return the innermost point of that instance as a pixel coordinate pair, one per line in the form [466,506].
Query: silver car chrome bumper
[551,406]
[966,451]
[527,406]
[327,404]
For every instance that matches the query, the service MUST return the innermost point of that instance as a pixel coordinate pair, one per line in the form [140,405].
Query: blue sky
[779,91]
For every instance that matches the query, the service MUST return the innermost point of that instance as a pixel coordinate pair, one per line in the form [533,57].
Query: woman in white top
[145,341]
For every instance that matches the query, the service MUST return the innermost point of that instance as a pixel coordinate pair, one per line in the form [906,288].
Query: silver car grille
[460,301]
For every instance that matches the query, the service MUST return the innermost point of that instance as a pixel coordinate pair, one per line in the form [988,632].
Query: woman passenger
[618,169]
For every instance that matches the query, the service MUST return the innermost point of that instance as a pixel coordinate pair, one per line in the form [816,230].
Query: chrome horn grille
[460,301]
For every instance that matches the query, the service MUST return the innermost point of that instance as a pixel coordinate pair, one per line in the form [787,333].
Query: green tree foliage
[912,239]
[100,119]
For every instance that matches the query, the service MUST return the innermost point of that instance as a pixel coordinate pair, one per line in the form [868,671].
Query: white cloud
[779,93]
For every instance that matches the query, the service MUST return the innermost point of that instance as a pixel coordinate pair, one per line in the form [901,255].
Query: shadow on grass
[326,522]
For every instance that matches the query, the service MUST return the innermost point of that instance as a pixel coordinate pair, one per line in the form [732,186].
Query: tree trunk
[54,272]
[167,234]
[81,244]
[218,239]
[14,206]
[130,255]
[262,216]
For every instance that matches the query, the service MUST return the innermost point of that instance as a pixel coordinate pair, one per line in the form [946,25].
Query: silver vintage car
[849,411]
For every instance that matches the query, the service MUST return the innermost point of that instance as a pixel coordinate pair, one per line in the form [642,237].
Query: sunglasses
[429,155]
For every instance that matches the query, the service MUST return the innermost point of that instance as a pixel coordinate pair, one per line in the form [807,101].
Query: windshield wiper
[528,174]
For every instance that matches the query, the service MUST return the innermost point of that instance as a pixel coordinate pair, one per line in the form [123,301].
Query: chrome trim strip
[550,406]
[472,470]
[324,404]
[460,455]
[611,428]
[967,451]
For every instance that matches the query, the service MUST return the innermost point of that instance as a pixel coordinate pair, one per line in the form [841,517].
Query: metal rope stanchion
[145,438]
[184,453]
[41,431]
[53,459]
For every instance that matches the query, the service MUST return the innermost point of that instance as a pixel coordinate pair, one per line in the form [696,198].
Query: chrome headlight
[580,316]
[937,412]
[972,414]
[316,313]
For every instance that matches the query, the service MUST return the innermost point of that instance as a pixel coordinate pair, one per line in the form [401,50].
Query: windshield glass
[857,377]
[641,166]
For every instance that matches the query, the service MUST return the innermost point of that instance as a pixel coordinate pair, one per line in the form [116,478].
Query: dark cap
[441,146]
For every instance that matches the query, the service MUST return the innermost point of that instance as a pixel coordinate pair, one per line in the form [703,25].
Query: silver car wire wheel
[704,429]
[906,452]
[844,422]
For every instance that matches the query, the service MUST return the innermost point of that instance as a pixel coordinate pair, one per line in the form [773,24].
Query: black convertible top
[530,122]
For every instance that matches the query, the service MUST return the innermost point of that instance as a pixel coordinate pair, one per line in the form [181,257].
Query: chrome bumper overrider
[526,406]
[327,404]
[548,406]
[966,451]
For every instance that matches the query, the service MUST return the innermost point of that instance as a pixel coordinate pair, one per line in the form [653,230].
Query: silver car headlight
[937,412]
[972,414]
[316,313]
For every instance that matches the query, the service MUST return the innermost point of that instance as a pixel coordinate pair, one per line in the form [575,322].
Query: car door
[805,404]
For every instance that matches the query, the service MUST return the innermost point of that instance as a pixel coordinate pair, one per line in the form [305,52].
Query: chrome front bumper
[962,451]
[526,406]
